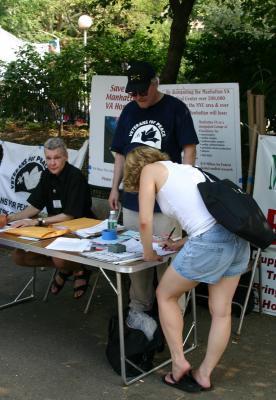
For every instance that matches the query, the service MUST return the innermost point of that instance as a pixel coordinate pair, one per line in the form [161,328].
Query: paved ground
[52,351]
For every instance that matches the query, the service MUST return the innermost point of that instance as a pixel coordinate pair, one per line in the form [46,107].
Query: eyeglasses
[137,93]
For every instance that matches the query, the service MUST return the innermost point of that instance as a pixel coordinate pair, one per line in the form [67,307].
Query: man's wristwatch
[41,221]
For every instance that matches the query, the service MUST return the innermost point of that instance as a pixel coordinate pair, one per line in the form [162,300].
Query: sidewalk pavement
[53,351]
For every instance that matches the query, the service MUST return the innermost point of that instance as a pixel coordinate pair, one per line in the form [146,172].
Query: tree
[180,12]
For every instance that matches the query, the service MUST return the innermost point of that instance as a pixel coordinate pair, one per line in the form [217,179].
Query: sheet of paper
[133,246]
[160,251]
[136,235]
[70,244]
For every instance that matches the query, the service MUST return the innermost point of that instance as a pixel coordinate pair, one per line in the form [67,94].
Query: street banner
[215,111]
[265,195]
[265,178]
[20,170]
[268,277]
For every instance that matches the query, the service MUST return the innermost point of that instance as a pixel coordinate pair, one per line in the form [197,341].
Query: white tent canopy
[10,44]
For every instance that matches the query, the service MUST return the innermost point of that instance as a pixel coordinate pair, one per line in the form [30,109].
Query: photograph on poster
[109,129]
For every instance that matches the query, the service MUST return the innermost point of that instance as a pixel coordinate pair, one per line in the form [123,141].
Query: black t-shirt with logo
[167,126]
[66,193]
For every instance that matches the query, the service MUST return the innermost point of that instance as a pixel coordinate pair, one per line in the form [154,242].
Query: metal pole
[85,77]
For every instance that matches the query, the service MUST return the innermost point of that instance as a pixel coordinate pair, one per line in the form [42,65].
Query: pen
[170,235]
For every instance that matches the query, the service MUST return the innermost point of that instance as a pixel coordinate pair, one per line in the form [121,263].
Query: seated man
[64,192]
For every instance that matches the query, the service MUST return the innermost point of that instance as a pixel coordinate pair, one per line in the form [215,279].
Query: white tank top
[179,198]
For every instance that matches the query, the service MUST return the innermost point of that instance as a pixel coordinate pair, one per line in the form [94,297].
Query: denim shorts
[212,255]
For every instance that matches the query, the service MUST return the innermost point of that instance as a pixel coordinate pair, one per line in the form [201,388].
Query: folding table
[39,247]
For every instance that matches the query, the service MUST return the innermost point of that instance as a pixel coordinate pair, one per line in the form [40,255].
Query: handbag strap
[208,176]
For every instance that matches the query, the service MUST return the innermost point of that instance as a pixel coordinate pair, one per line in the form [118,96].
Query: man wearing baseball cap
[158,120]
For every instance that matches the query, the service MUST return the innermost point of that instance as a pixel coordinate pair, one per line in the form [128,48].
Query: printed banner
[265,195]
[268,277]
[265,178]
[214,109]
[20,170]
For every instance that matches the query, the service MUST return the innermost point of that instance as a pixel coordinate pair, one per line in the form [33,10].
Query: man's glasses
[138,93]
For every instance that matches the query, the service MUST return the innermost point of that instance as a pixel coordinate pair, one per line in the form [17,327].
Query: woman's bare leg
[220,303]
[170,288]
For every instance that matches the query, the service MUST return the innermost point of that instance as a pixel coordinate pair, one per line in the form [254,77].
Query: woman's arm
[147,191]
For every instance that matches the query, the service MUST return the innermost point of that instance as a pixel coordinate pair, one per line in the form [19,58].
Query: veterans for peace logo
[26,176]
[149,133]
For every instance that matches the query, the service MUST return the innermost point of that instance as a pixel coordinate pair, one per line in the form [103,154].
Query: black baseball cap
[140,74]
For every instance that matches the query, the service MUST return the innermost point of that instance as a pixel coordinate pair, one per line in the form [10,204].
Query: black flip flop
[187,383]
[85,276]
[58,286]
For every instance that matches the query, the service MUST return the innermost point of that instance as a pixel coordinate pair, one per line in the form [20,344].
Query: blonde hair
[136,161]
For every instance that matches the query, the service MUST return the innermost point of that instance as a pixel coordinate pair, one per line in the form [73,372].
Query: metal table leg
[124,360]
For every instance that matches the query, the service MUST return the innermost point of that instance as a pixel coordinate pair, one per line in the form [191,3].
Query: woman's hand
[173,245]
[152,256]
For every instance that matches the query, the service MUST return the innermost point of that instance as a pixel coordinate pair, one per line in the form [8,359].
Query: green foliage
[24,80]
[234,43]
[256,17]
[36,88]
[241,58]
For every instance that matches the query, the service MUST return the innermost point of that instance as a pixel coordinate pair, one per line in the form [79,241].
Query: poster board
[214,109]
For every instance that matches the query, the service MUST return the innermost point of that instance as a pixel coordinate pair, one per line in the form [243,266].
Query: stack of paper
[134,252]
[114,258]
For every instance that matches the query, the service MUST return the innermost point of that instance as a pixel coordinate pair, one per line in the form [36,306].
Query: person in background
[65,193]
[210,253]
[157,120]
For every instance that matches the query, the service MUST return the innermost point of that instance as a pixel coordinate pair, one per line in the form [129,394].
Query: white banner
[268,277]
[265,178]
[20,171]
[215,112]
[265,195]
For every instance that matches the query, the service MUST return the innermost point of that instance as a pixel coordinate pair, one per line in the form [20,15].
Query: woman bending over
[209,254]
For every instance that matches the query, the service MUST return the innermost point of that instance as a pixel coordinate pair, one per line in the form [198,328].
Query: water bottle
[112,221]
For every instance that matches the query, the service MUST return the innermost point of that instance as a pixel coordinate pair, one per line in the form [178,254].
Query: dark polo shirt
[66,193]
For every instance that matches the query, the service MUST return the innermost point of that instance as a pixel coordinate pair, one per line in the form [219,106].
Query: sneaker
[143,322]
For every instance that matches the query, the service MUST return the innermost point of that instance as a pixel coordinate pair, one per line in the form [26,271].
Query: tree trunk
[181,11]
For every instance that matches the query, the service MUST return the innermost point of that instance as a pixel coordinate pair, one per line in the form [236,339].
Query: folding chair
[254,263]
[21,297]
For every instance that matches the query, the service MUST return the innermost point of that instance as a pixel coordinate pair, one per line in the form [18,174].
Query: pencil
[170,235]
